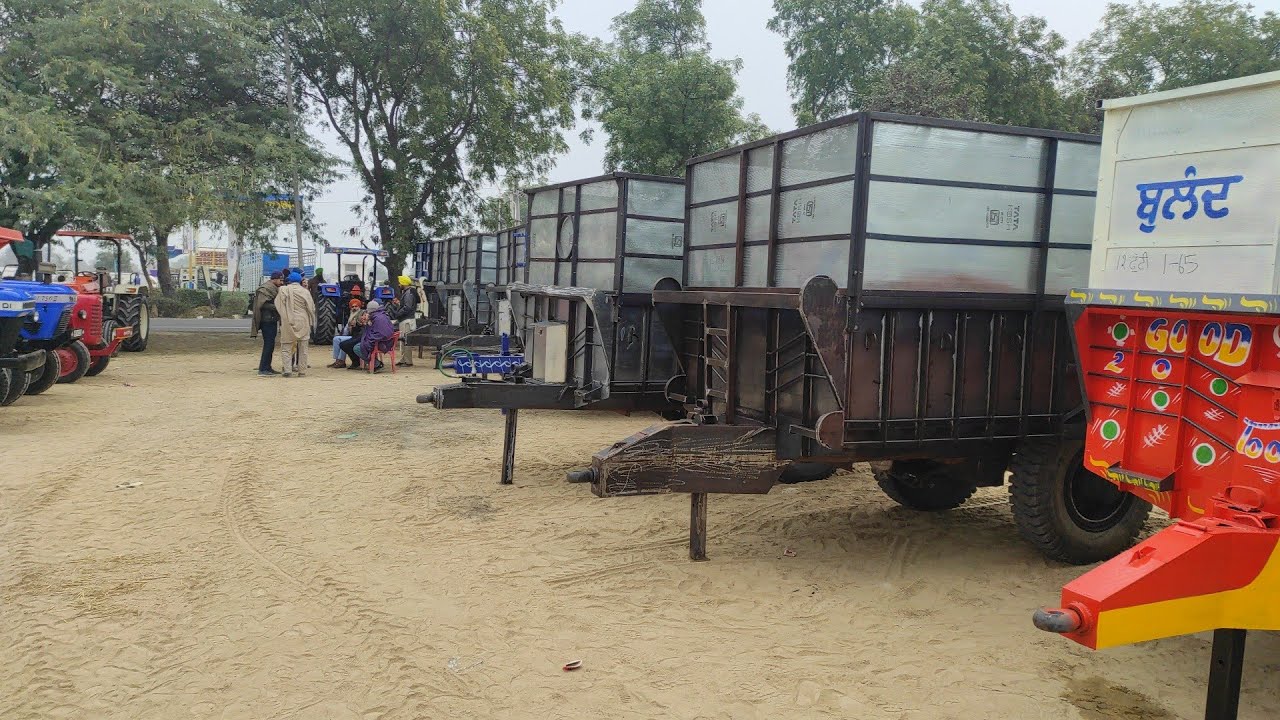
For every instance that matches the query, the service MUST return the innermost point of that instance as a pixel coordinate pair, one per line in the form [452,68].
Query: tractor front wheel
[1068,513]
[98,365]
[926,485]
[132,312]
[326,321]
[14,386]
[75,361]
[47,376]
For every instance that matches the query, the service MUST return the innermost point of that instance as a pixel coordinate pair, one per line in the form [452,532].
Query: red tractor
[101,339]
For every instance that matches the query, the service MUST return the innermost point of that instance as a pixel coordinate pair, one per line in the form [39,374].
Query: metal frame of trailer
[596,248]
[945,375]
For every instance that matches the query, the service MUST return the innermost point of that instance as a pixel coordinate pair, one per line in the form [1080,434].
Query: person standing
[266,318]
[314,286]
[297,318]
[406,315]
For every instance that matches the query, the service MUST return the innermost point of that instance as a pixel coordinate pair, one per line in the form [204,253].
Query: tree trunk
[162,259]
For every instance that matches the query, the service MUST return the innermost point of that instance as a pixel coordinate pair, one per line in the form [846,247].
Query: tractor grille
[9,334]
[64,322]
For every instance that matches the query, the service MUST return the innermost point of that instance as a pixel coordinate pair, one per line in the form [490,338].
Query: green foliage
[1146,47]
[659,95]
[142,115]
[431,97]
[963,59]
[839,50]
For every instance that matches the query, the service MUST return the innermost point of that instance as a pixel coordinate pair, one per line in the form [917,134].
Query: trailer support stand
[1223,702]
[509,446]
[698,527]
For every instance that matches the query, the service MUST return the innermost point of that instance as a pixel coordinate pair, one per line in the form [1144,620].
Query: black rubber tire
[326,321]
[82,363]
[47,376]
[4,383]
[802,472]
[97,366]
[16,387]
[132,311]
[1048,509]
[926,485]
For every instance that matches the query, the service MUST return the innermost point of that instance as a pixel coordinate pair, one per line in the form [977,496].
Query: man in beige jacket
[297,316]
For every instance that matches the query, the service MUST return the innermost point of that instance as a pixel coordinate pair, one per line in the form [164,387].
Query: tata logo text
[1254,447]
[1228,343]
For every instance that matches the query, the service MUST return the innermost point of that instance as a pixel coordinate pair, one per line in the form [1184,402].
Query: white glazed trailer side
[1189,190]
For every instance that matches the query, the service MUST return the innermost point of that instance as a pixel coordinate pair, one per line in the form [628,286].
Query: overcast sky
[736,28]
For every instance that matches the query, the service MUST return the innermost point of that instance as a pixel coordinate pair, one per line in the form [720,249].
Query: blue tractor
[333,306]
[17,309]
[49,331]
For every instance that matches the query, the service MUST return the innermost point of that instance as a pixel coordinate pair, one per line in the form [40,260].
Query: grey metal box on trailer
[893,203]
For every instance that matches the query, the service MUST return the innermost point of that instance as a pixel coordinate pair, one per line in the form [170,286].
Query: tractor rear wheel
[132,312]
[47,376]
[15,386]
[926,485]
[75,361]
[326,321]
[98,365]
[1067,512]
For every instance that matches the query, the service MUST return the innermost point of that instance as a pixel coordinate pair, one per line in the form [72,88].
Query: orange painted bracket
[1192,577]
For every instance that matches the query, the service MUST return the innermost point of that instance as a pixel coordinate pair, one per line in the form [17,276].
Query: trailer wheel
[132,312]
[97,366]
[801,472]
[926,485]
[1068,513]
[75,361]
[47,376]
[326,322]
[15,386]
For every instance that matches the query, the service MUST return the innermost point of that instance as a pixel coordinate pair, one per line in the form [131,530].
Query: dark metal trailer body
[466,285]
[876,288]
[596,248]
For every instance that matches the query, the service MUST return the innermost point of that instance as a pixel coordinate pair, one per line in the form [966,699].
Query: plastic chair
[372,364]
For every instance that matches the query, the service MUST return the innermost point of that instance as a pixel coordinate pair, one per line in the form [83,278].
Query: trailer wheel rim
[144,320]
[68,362]
[1093,503]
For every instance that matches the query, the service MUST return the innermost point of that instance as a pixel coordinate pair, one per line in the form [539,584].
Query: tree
[161,112]
[659,95]
[1146,47]
[968,59]
[840,49]
[431,97]
[1014,62]
[916,87]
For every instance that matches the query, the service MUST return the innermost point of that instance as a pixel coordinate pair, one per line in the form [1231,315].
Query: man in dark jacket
[405,315]
[266,319]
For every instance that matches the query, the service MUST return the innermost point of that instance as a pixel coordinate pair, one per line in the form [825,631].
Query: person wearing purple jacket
[379,331]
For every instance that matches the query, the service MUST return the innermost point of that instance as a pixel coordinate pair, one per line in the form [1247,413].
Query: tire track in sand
[407,688]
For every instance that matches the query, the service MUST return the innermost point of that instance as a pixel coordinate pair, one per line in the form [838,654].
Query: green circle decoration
[1120,331]
[1204,454]
[1160,399]
[1219,387]
[1110,430]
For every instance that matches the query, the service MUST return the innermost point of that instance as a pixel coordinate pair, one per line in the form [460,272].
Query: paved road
[209,325]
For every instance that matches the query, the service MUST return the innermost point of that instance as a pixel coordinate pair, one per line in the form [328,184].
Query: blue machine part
[16,307]
[330,290]
[53,309]
[382,293]
[470,364]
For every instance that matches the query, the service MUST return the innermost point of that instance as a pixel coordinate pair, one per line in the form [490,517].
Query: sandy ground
[180,538]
